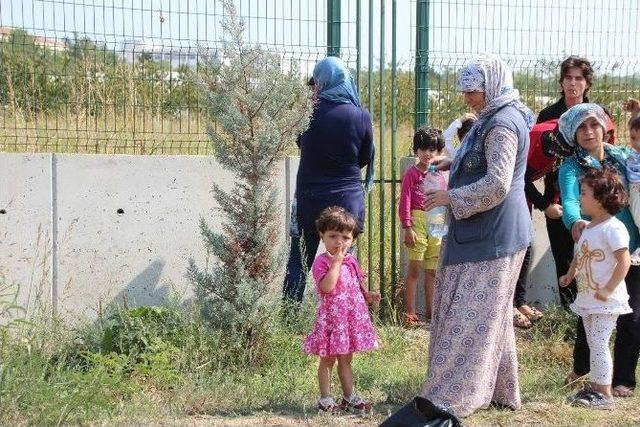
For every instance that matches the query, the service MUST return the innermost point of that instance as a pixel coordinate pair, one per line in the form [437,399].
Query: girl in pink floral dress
[343,325]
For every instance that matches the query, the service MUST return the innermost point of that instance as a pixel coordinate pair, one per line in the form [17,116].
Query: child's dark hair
[607,187]
[634,123]
[467,124]
[428,138]
[338,219]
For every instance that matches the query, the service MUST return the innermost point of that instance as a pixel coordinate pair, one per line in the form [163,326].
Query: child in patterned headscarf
[633,167]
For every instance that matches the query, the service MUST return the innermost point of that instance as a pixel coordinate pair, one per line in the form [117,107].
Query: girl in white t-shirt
[600,264]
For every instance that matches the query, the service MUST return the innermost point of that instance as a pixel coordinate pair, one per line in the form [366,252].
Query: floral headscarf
[568,125]
[489,74]
[335,82]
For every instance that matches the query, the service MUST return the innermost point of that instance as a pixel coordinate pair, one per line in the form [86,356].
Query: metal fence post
[394,130]
[422,63]
[333,28]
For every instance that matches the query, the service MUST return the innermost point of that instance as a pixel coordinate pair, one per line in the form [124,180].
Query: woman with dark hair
[576,77]
[337,145]
[584,126]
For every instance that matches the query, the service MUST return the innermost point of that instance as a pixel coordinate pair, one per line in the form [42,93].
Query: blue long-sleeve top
[568,180]
[338,143]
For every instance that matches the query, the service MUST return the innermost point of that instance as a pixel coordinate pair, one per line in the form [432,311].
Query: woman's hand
[443,163]
[553,211]
[576,229]
[410,237]
[437,198]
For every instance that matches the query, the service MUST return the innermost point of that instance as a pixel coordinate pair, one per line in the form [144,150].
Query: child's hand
[565,280]
[410,237]
[632,105]
[468,116]
[603,294]
[371,297]
[338,257]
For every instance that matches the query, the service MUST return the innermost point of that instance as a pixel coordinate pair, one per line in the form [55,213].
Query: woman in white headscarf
[472,352]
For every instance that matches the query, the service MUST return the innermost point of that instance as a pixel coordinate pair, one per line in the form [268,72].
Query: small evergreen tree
[257,109]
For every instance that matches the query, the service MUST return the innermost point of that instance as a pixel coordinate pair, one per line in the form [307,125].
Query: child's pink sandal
[327,404]
[355,402]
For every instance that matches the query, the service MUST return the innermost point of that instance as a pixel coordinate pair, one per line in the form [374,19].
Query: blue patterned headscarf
[568,125]
[334,82]
[571,120]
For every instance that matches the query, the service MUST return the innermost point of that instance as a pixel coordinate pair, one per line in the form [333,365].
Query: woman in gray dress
[472,351]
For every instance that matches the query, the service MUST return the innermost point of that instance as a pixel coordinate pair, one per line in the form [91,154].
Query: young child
[600,264]
[459,127]
[423,249]
[633,167]
[343,325]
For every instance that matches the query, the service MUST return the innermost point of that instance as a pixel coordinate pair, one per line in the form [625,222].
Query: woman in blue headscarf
[337,145]
[584,126]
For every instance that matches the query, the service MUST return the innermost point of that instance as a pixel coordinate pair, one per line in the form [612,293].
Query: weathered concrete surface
[126,226]
[25,225]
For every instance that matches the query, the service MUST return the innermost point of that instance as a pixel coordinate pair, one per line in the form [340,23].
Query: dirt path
[627,413]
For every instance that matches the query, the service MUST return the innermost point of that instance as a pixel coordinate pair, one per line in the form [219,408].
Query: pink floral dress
[343,324]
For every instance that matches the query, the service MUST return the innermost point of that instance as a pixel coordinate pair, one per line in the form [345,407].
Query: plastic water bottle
[437,216]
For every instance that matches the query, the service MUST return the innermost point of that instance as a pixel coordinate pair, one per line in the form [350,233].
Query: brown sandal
[521,321]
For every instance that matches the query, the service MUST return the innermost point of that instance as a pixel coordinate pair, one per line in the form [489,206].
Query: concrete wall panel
[129,224]
[25,225]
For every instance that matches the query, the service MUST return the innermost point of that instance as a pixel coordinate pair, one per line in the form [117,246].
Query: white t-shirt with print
[596,262]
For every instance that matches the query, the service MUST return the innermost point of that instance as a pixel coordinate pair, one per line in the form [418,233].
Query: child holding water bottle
[423,231]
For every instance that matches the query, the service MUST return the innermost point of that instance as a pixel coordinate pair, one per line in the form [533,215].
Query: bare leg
[324,375]
[345,373]
[429,280]
[410,286]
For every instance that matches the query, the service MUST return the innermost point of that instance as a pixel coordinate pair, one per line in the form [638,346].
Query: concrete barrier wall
[80,231]
[121,226]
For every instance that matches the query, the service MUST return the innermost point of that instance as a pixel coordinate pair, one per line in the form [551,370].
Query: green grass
[51,375]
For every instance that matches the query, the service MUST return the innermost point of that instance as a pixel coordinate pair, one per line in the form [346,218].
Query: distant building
[5,32]
[40,41]
[131,50]
[50,43]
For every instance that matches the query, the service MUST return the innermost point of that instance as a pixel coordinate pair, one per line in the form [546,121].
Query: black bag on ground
[420,412]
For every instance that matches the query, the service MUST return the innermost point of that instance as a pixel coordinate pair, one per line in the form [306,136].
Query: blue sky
[524,32]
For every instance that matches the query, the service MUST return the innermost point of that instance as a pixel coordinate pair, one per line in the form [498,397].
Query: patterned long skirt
[472,349]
